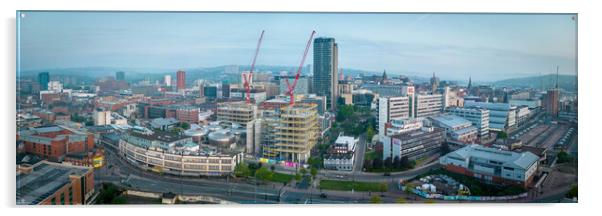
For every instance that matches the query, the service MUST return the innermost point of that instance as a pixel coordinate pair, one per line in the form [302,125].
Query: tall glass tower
[43,79]
[326,59]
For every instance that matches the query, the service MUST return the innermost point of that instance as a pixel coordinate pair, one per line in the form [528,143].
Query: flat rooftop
[44,180]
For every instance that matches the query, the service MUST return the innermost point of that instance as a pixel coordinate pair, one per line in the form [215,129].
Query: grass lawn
[348,185]
[282,178]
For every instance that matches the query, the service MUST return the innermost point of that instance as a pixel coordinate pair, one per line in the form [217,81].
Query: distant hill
[566,82]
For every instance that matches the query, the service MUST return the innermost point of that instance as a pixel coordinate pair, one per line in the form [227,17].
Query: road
[125,174]
[360,151]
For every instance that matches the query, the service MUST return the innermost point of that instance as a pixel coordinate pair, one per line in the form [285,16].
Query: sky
[485,47]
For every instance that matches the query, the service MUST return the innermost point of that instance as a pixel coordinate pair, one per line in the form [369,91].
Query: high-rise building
[167,80]
[326,70]
[120,75]
[291,132]
[390,108]
[43,79]
[426,105]
[181,82]
[226,89]
[551,101]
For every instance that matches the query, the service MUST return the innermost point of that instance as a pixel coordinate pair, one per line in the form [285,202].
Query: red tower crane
[247,79]
[291,88]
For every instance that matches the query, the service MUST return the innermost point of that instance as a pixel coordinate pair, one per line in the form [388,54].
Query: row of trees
[395,164]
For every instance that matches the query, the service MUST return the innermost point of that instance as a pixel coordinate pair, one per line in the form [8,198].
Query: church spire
[469,82]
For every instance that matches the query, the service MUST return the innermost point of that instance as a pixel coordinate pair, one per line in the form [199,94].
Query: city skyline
[475,45]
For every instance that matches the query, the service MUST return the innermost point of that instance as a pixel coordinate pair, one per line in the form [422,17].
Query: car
[323,195]
[340,176]
[387,174]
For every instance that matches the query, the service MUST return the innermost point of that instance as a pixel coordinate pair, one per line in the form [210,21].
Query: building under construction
[290,133]
[243,114]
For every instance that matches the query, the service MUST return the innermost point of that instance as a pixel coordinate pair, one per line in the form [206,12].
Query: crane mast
[291,88]
[248,77]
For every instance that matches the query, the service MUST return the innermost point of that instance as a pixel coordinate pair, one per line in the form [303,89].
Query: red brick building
[54,142]
[46,183]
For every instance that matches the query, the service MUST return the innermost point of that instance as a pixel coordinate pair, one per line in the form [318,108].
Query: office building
[326,70]
[102,117]
[294,131]
[522,115]
[502,116]
[120,75]
[402,125]
[424,105]
[456,128]
[478,116]
[492,165]
[167,80]
[175,154]
[391,108]
[383,90]
[54,142]
[414,144]
[181,80]
[245,115]
[47,183]
[302,87]
[551,102]
[43,79]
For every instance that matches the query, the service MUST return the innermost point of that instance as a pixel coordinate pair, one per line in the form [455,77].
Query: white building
[342,162]
[55,86]
[403,125]
[456,128]
[391,108]
[167,80]
[478,116]
[522,114]
[102,117]
[492,165]
[502,116]
[345,144]
[425,105]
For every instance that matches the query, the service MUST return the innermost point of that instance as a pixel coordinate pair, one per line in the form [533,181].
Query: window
[63,199]
[53,201]
[70,195]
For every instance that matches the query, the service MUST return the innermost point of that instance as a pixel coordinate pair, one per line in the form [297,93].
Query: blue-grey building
[326,59]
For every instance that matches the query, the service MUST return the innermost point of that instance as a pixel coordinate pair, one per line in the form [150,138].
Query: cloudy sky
[454,46]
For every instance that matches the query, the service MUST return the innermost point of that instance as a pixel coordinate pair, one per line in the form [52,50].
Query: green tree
[303,171]
[185,125]
[375,199]
[263,174]
[272,168]
[502,135]
[563,157]
[242,170]
[313,171]
[382,187]
[297,177]
[369,133]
